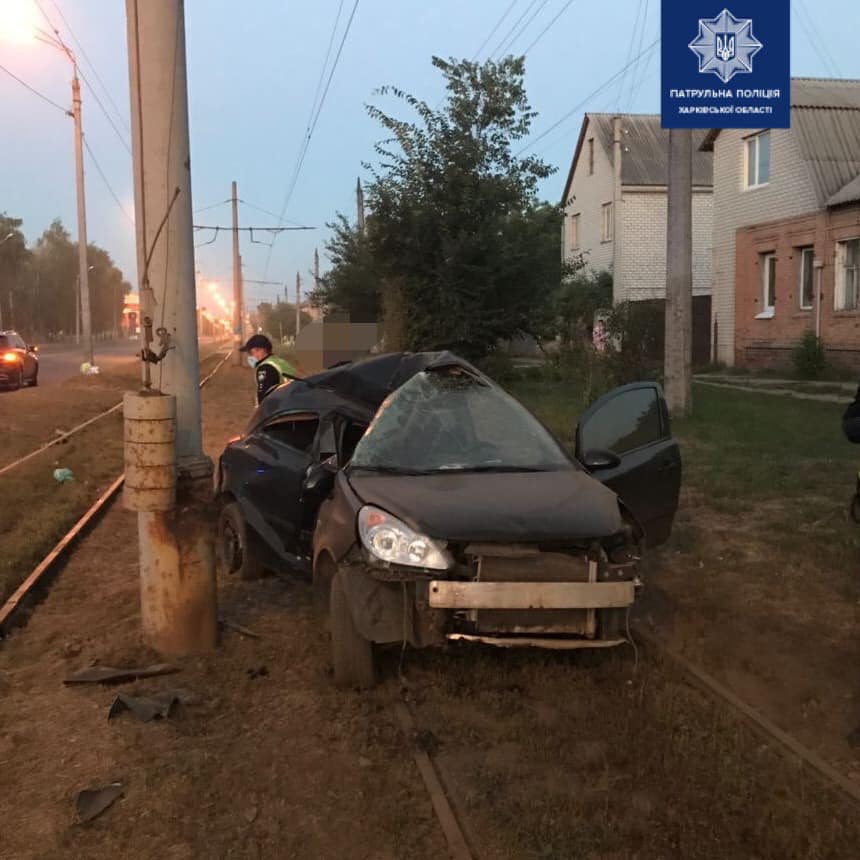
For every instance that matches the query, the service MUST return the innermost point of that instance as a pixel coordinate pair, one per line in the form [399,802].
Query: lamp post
[55,41]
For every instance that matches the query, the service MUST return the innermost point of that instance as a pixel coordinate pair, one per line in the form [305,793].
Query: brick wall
[590,193]
[768,343]
[641,267]
[789,193]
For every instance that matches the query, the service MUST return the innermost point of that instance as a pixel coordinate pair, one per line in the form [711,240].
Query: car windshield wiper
[391,470]
[492,467]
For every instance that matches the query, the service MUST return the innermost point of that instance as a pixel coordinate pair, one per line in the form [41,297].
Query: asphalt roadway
[59,362]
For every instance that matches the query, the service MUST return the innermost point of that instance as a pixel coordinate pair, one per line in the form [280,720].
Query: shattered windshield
[452,421]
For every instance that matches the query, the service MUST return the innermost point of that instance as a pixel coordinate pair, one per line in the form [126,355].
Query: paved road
[58,362]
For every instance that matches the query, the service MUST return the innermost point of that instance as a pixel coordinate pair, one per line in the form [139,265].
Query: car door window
[295,431]
[631,419]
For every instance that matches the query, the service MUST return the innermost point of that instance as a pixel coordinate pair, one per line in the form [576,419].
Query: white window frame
[768,311]
[839,297]
[750,144]
[807,253]
[607,223]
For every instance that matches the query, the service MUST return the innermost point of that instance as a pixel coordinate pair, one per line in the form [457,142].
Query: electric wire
[528,23]
[513,29]
[635,76]
[549,26]
[33,90]
[303,151]
[607,83]
[92,65]
[105,180]
[630,50]
[493,31]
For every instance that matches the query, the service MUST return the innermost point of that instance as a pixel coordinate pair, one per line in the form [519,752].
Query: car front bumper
[447,594]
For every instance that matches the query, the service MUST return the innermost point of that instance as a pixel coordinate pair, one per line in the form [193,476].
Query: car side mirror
[597,460]
[319,479]
[32,348]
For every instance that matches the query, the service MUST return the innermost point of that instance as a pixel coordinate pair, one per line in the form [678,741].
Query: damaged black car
[429,505]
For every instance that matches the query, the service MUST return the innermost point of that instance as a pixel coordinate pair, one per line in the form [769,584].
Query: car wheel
[352,654]
[19,384]
[35,380]
[235,553]
[324,572]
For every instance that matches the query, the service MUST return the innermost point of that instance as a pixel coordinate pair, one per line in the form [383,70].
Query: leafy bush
[808,357]
[634,344]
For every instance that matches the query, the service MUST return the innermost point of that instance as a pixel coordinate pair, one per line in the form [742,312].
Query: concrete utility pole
[359,205]
[298,304]
[237,282]
[178,599]
[84,275]
[316,269]
[679,274]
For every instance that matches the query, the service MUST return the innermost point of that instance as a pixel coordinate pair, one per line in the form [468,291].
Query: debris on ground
[110,675]
[92,802]
[145,709]
[63,475]
[88,369]
[258,672]
[238,628]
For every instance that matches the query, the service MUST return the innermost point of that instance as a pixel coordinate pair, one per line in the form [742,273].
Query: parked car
[19,363]
[429,504]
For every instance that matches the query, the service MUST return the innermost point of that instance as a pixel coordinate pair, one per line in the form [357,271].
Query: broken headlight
[390,540]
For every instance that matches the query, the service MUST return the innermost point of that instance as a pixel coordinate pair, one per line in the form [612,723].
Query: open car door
[625,441]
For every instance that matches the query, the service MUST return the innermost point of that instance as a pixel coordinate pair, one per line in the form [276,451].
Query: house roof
[645,159]
[849,193]
[825,117]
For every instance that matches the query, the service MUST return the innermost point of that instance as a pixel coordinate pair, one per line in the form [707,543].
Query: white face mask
[252,362]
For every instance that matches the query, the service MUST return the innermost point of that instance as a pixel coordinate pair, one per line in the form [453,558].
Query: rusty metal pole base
[177,569]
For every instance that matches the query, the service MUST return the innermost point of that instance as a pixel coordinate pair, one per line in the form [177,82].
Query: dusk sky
[253,71]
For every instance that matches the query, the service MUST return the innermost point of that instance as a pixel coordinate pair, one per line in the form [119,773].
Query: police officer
[271,370]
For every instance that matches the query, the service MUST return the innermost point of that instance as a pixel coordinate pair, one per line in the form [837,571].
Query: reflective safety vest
[284,368]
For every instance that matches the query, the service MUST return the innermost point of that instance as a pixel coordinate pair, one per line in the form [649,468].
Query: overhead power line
[106,182]
[630,49]
[493,31]
[312,124]
[33,90]
[514,28]
[528,23]
[607,83]
[119,114]
[549,26]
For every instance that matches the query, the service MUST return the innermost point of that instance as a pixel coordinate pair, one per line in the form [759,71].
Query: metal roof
[825,119]
[849,193]
[645,156]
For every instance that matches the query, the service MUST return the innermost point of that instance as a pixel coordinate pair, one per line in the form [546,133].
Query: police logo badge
[725,46]
[261,375]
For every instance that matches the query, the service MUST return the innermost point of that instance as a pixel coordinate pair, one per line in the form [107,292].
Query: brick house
[787,230]
[615,205]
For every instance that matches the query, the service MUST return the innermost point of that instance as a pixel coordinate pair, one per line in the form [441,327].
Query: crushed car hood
[496,507]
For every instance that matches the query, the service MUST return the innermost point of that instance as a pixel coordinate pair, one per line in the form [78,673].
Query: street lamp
[55,41]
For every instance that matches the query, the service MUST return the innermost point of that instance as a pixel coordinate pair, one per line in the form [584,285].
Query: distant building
[615,207]
[787,230]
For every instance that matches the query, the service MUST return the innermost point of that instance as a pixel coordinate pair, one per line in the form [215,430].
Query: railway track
[25,597]
[64,437]
[36,582]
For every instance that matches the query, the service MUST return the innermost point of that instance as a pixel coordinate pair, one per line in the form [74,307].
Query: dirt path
[546,755]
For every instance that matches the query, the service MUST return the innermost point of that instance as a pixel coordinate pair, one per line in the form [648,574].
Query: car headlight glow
[391,540]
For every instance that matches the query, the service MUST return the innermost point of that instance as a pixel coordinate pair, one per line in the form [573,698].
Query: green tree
[458,249]
[14,267]
[279,319]
[55,263]
[352,283]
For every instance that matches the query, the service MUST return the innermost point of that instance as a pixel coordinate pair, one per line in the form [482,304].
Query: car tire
[352,654]
[34,383]
[236,555]
[323,575]
[19,384]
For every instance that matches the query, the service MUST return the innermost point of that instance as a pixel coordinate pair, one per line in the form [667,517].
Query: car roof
[355,388]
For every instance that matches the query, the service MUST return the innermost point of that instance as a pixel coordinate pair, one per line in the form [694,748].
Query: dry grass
[37,511]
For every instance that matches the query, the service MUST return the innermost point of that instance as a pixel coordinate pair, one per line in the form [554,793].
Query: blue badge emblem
[725,46]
